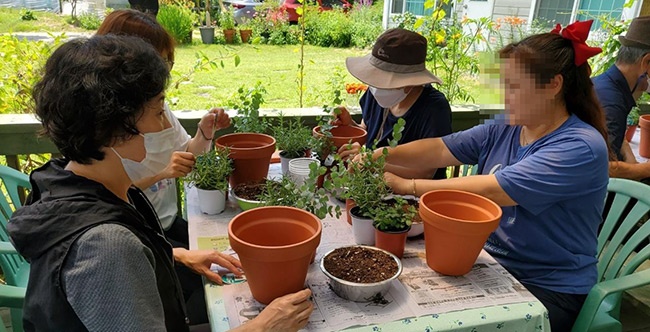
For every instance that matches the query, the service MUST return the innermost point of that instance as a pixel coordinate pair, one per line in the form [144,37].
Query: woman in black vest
[99,261]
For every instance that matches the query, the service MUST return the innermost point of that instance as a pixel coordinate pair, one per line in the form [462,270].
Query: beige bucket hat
[397,60]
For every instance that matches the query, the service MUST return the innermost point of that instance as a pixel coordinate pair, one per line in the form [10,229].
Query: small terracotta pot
[342,135]
[251,154]
[644,140]
[275,245]
[245,35]
[629,132]
[456,226]
[229,35]
[392,242]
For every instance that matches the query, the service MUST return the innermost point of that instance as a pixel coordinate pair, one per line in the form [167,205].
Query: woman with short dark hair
[98,258]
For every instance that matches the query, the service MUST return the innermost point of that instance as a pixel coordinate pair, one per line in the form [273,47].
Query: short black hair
[93,92]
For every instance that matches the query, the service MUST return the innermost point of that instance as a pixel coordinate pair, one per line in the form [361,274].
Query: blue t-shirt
[430,116]
[559,182]
[616,99]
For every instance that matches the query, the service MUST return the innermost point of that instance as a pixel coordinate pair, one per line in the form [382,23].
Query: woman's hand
[287,313]
[399,185]
[343,117]
[215,119]
[200,261]
[348,151]
[180,165]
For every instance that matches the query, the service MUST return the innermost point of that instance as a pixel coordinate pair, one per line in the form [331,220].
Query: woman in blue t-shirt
[399,87]
[546,165]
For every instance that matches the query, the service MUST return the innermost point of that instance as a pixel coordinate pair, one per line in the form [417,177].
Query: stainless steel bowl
[361,292]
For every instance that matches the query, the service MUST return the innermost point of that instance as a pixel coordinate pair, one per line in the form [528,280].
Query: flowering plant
[355,88]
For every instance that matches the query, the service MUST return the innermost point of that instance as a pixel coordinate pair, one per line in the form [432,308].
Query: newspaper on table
[418,291]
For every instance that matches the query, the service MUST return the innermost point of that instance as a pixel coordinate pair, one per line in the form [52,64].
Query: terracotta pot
[392,242]
[229,35]
[251,154]
[644,140]
[245,35]
[456,226]
[342,135]
[349,204]
[275,245]
[629,132]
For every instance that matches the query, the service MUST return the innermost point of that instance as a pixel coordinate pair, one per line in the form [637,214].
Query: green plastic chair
[617,259]
[14,266]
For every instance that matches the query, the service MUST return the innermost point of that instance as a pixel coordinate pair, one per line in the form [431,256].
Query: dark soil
[250,191]
[415,204]
[359,264]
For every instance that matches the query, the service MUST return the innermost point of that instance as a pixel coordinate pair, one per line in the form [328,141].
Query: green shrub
[22,61]
[328,28]
[27,15]
[366,24]
[178,21]
[90,21]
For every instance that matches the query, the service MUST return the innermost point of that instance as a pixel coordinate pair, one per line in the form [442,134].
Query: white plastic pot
[362,228]
[211,201]
[299,169]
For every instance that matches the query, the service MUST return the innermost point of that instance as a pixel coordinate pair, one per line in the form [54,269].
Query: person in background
[146,6]
[101,262]
[399,87]
[172,153]
[546,167]
[623,83]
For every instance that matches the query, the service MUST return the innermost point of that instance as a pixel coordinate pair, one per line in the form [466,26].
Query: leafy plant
[27,15]
[612,28]
[291,136]
[247,103]
[90,21]
[393,215]
[178,21]
[211,170]
[307,196]
[226,20]
[22,61]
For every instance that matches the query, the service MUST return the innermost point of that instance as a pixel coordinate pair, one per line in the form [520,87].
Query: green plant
[247,103]
[612,28]
[306,196]
[393,215]
[27,15]
[211,170]
[89,21]
[22,61]
[633,116]
[291,136]
[178,21]
[226,20]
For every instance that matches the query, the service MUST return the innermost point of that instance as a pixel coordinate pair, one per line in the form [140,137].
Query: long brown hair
[546,55]
[134,23]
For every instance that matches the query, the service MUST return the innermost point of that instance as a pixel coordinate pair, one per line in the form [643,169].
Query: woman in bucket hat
[399,87]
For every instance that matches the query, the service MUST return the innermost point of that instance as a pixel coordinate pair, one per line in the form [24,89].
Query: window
[550,12]
[416,7]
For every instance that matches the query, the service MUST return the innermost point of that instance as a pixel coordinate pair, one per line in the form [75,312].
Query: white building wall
[517,8]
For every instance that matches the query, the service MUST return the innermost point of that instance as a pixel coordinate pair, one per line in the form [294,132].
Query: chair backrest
[14,266]
[622,239]
[463,170]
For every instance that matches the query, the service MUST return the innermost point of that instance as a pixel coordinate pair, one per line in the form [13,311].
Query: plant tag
[329,161]
[231,278]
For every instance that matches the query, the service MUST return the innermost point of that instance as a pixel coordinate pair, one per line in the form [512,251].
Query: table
[510,309]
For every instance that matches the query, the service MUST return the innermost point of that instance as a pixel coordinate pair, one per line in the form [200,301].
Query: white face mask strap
[117,154]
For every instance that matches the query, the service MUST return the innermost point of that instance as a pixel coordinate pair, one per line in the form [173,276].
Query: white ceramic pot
[211,201]
[362,228]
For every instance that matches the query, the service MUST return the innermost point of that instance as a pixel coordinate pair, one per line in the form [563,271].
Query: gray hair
[630,55]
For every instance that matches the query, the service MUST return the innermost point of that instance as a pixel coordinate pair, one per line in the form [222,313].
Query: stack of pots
[299,169]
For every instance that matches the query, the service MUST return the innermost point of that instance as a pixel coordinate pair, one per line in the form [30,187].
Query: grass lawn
[45,21]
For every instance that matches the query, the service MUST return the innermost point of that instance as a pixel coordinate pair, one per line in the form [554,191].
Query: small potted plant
[392,221]
[227,23]
[210,177]
[250,149]
[292,138]
[207,30]
[245,30]
[632,123]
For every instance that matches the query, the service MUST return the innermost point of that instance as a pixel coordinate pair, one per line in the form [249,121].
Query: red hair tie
[577,33]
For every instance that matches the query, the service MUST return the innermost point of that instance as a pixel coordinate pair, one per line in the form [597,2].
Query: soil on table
[359,264]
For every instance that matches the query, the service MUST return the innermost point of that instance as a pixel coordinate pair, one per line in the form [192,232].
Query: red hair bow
[577,33]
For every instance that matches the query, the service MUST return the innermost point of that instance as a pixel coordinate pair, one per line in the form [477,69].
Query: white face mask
[388,98]
[159,147]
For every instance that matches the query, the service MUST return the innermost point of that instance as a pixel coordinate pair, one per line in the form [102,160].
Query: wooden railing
[19,132]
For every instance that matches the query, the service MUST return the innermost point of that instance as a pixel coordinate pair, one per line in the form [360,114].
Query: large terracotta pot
[644,140]
[342,135]
[275,245]
[251,154]
[456,226]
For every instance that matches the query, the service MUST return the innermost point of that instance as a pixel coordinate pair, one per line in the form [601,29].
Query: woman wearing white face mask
[399,87]
[98,259]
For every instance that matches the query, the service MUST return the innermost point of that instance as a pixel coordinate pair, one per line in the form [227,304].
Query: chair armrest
[7,248]
[12,296]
